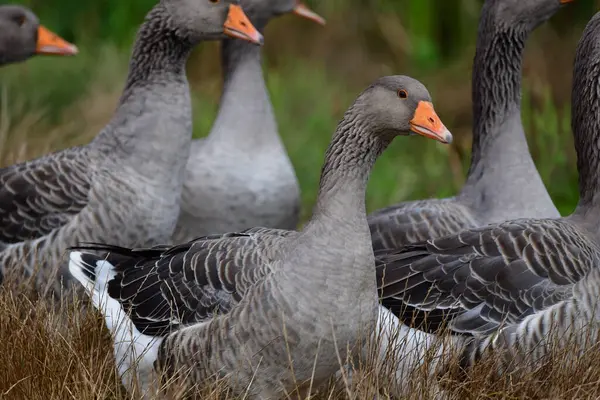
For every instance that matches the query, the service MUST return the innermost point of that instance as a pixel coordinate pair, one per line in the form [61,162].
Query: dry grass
[51,353]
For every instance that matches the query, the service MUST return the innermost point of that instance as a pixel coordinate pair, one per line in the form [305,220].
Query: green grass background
[313,74]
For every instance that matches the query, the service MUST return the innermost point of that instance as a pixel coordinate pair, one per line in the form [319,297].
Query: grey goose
[501,165]
[519,285]
[219,305]
[125,186]
[240,176]
[22,36]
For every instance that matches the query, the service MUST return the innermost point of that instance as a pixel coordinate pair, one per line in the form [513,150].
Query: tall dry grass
[55,353]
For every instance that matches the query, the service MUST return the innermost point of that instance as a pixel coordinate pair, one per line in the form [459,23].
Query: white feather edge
[134,352]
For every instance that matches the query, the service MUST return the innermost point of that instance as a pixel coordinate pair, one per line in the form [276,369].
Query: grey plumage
[22,36]
[240,176]
[501,165]
[125,186]
[238,304]
[510,285]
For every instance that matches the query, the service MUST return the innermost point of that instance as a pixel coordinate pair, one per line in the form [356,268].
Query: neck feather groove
[585,120]
[158,52]
[496,85]
[348,162]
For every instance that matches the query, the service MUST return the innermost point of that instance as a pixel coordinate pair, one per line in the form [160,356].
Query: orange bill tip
[303,11]
[50,43]
[239,26]
[426,123]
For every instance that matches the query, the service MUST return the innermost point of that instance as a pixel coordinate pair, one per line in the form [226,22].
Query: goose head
[197,20]
[261,11]
[23,36]
[401,106]
[524,14]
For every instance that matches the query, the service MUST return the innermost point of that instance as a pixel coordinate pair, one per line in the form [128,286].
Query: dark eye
[403,94]
[20,19]
[214,1]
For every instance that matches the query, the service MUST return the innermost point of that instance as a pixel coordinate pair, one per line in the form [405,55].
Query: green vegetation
[311,85]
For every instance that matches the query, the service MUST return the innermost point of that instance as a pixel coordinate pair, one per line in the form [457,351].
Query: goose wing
[164,287]
[487,276]
[416,221]
[38,196]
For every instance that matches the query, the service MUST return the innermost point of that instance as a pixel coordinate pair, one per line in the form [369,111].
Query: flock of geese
[189,248]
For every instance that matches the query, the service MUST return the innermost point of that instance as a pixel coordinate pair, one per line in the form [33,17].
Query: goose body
[501,165]
[245,305]
[22,36]
[520,284]
[125,186]
[240,176]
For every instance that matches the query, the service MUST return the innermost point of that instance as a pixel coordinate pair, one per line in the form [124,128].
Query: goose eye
[20,20]
[214,1]
[403,94]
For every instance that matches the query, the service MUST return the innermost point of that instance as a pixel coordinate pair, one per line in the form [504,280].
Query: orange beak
[426,123]
[239,26]
[50,43]
[302,10]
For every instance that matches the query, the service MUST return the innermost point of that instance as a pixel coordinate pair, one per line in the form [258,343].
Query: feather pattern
[39,196]
[416,221]
[506,277]
[506,271]
[164,287]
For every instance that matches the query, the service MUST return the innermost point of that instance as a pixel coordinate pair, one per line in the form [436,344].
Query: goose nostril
[243,24]
[430,119]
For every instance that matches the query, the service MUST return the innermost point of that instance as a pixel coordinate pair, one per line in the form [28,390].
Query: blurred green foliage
[314,74]
[436,29]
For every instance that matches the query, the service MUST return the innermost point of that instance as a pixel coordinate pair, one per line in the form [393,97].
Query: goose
[521,284]
[217,305]
[240,176]
[500,163]
[22,36]
[125,186]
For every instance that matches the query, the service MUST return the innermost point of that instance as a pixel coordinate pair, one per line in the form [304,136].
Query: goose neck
[159,54]
[496,90]
[585,124]
[245,114]
[238,55]
[349,159]
[500,155]
[337,238]
[151,128]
